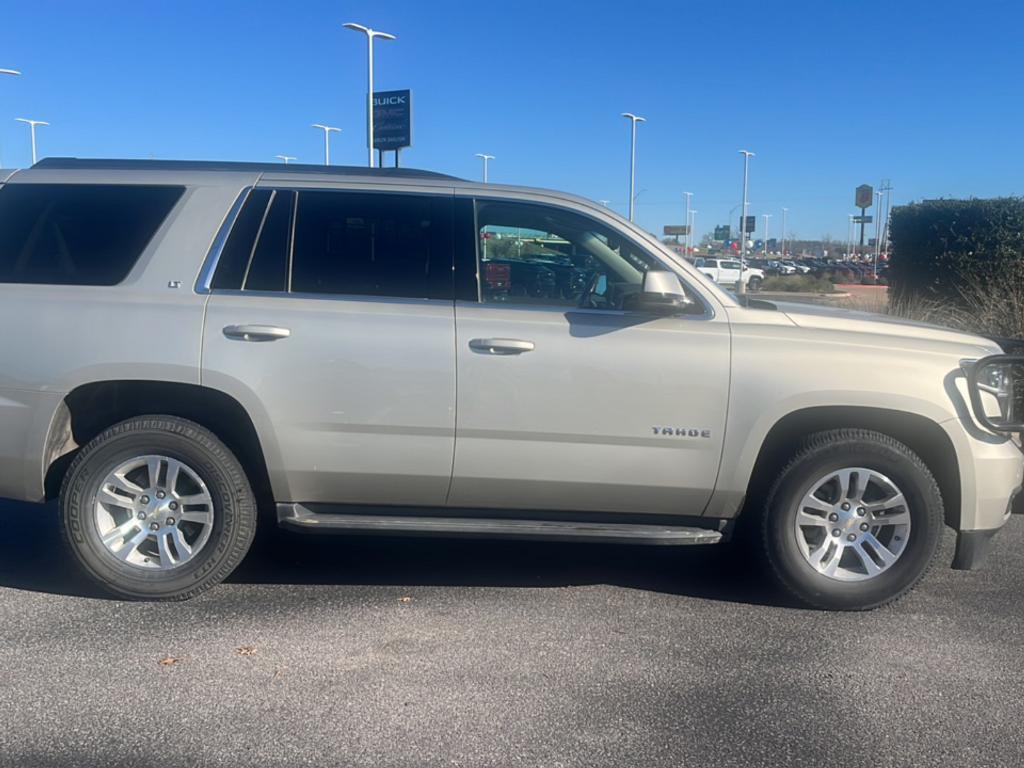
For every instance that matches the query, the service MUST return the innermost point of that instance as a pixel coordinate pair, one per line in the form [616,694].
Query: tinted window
[234,258]
[268,267]
[373,245]
[77,234]
[536,254]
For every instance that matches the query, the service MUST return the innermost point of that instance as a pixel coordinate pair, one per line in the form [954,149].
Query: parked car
[728,271]
[198,341]
[782,268]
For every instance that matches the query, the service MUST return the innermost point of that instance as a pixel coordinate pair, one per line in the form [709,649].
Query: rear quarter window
[78,234]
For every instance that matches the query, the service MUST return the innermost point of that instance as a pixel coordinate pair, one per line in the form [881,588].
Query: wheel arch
[922,435]
[90,408]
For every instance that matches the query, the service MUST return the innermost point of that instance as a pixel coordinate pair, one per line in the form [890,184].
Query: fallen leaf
[405,599]
[167,661]
[246,650]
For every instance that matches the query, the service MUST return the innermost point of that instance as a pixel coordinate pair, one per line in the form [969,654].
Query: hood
[886,326]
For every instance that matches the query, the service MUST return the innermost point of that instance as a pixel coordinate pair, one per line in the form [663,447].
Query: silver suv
[401,352]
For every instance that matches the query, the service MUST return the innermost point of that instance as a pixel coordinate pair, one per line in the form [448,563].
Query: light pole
[849,238]
[285,158]
[15,73]
[327,129]
[370,34]
[878,225]
[485,158]
[766,216]
[784,212]
[691,220]
[688,195]
[741,286]
[633,119]
[32,129]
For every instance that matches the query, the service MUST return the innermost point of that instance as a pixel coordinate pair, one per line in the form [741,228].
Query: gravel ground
[372,652]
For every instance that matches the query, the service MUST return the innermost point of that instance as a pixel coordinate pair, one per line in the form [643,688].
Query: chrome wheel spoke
[900,517]
[173,471]
[832,564]
[184,550]
[107,496]
[130,545]
[884,553]
[197,516]
[163,546]
[153,467]
[112,537]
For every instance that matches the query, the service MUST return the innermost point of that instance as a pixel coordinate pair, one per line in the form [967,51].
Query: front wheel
[754,284]
[853,521]
[157,508]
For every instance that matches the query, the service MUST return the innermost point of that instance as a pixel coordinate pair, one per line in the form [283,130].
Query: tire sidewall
[211,462]
[923,504]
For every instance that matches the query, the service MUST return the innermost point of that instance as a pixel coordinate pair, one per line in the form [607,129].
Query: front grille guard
[974,369]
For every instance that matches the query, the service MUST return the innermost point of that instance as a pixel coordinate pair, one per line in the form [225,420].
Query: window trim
[708,314]
[209,269]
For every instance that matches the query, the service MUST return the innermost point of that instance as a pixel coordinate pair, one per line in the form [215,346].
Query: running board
[299,518]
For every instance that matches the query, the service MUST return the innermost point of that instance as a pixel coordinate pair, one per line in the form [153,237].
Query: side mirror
[661,294]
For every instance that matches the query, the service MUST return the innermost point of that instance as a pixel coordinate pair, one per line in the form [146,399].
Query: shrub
[983,304]
[949,250]
[797,283]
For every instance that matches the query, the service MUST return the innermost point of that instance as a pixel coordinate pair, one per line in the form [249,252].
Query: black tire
[754,284]
[234,507]
[827,451]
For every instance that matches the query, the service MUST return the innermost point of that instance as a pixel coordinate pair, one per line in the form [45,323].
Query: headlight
[996,387]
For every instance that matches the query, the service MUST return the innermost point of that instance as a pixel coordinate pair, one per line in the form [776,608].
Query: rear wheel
[853,521]
[157,508]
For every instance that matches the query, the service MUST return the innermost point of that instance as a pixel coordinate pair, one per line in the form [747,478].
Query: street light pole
[327,129]
[741,286]
[691,219]
[689,241]
[32,129]
[634,119]
[766,216]
[370,34]
[878,224]
[784,212]
[485,158]
[849,238]
[15,73]
[285,158]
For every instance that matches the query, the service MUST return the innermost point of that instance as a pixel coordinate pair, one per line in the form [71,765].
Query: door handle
[501,346]
[256,332]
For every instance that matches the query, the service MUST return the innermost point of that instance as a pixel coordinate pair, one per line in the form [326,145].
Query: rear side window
[373,245]
[78,234]
[255,256]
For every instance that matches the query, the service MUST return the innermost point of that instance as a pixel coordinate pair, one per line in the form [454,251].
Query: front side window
[78,234]
[536,254]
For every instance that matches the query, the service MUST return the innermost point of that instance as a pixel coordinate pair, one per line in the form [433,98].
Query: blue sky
[828,94]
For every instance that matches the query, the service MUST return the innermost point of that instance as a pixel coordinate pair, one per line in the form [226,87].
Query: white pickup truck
[727,272]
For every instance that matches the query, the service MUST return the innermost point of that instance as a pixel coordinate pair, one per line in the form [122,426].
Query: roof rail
[76,163]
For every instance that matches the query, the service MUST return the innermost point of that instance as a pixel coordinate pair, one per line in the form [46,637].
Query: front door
[331,320]
[565,400]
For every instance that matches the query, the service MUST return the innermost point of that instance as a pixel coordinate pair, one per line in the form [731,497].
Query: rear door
[567,402]
[331,320]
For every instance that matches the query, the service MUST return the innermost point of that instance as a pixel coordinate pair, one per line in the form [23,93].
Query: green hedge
[941,246]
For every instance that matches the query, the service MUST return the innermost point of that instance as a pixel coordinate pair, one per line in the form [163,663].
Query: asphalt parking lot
[370,652]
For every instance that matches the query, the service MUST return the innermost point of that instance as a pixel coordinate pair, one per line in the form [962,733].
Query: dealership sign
[392,120]
[864,196]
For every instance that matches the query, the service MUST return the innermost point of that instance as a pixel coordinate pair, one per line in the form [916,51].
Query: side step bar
[300,518]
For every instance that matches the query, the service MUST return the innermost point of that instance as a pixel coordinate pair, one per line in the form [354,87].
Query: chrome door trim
[209,267]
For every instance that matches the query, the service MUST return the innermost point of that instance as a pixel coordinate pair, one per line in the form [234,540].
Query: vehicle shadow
[33,558]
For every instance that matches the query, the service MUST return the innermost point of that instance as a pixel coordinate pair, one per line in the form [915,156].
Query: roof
[75,163]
